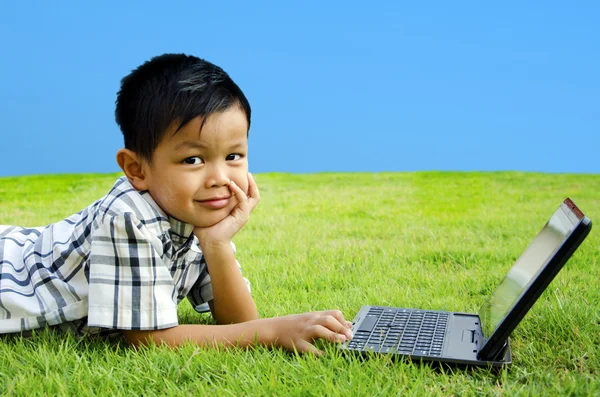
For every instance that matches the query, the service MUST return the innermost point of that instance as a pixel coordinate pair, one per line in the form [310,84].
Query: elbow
[240,316]
[252,316]
[246,317]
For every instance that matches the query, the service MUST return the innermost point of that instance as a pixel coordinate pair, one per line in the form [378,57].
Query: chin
[212,220]
[205,223]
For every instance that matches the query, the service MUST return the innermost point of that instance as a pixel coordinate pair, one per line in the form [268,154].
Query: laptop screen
[527,267]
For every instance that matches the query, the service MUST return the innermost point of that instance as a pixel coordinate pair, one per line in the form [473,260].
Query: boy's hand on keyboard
[299,331]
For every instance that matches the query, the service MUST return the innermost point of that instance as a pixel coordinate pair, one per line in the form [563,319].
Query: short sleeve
[130,287]
[202,292]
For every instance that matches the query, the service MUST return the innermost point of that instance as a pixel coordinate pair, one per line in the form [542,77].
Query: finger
[338,315]
[239,195]
[322,332]
[253,188]
[334,324]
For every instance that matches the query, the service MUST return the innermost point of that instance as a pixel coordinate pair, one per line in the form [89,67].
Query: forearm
[251,333]
[294,333]
[232,302]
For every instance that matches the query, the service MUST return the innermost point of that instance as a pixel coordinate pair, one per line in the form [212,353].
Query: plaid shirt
[119,264]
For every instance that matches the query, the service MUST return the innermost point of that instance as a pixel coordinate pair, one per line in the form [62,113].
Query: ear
[134,168]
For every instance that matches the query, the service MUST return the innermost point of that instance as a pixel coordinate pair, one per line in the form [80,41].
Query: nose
[216,176]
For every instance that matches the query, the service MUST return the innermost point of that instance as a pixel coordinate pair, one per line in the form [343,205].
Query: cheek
[163,198]
[243,184]
[170,195]
[241,179]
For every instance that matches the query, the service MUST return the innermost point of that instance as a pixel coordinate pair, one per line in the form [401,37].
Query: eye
[233,157]
[193,160]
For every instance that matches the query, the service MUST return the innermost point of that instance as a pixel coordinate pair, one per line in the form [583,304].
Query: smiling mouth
[216,203]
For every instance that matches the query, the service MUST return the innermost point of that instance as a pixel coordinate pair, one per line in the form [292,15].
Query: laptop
[480,339]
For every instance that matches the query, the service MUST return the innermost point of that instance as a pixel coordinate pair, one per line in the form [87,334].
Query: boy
[162,233]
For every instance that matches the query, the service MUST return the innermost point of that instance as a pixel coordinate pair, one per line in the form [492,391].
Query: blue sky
[334,86]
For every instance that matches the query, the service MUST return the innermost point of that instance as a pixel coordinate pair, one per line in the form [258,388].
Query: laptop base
[422,335]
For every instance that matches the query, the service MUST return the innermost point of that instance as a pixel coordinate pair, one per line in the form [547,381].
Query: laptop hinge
[499,356]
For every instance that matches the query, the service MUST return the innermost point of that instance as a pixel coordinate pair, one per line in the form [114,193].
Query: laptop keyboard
[405,331]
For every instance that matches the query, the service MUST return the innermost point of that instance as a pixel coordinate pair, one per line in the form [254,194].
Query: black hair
[172,88]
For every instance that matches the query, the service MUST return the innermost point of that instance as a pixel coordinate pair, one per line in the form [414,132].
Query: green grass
[322,241]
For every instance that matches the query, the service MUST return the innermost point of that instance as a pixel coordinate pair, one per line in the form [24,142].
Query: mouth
[215,202]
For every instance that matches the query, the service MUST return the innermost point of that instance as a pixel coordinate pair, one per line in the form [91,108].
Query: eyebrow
[196,145]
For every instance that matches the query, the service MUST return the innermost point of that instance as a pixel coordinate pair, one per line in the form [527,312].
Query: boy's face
[191,170]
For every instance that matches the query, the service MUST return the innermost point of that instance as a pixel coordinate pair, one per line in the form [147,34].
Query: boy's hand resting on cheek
[223,232]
